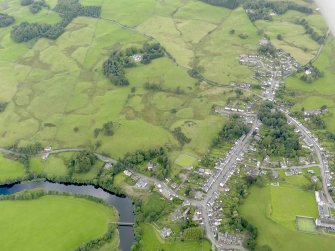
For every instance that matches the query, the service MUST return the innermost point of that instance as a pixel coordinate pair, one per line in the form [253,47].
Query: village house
[165,232]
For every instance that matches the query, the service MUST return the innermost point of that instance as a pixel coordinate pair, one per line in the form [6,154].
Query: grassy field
[10,169]
[185,160]
[41,224]
[152,242]
[321,91]
[273,211]
[48,98]
[305,224]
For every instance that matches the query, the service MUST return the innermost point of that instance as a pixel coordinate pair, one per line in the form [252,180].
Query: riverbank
[39,220]
[122,203]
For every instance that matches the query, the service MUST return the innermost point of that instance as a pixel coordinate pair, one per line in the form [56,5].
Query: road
[228,167]
[319,151]
[64,150]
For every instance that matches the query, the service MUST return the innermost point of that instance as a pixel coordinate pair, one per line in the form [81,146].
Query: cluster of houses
[230,109]
[316,112]
[325,221]
[270,70]
[214,212]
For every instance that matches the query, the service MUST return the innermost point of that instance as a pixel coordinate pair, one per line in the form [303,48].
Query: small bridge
[123,224]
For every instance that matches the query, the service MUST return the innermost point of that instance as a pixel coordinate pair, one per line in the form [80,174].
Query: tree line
[6,20]
[312,33]
[114,66]
[180,136]
[67,9]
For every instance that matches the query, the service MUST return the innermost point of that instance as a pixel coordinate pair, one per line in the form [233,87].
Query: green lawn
[185,160]
[273,210]
[306,224]
[153,242]
[52,223]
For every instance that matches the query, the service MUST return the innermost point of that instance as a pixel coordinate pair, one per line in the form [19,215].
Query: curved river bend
[123,204]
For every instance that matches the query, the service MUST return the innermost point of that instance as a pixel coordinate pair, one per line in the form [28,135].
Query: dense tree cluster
[113,67]
[82,162]
[267,49]
[132,160]
[309,30]
[317,122]
[279,138]
[6,20]
[231,4]
[26,2]
[180,136]
[67,9]
[36,6]
[72,8]
[311,74]
[262,9]
[151,51]
[107,129]
[232,130]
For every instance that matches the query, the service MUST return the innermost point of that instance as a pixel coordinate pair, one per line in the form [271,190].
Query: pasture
[152,242]
[10,170]
[57,94]
[273,211]
[41,224]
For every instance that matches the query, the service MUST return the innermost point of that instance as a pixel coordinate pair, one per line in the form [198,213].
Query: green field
[153,242]
[53,87]
[273,211]
[10,170]
[185,160]
[305,224]
[52,223]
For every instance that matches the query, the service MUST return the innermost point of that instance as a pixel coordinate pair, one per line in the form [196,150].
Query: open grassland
[273,211]
[295,40]
[57,87]
[152,242]
[52,223]
[10,169]
[218,52]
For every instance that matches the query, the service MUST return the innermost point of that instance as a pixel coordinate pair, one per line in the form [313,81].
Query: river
[122,203]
